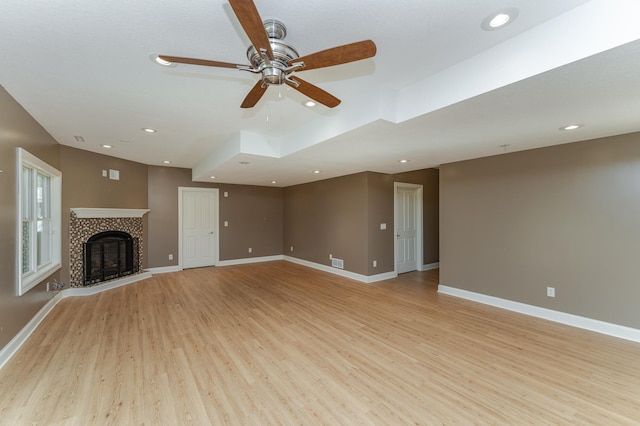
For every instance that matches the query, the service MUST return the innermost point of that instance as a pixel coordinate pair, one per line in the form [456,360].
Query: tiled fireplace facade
[82,228]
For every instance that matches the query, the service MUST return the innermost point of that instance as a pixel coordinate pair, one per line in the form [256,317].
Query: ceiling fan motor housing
[276,70]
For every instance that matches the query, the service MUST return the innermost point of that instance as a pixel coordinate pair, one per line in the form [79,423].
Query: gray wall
[254,214]
[84,186]
[18,129]
[342,217]
[566,216]
[328,217]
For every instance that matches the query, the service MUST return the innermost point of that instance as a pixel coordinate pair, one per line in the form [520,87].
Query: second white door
[406,230]
[199,218]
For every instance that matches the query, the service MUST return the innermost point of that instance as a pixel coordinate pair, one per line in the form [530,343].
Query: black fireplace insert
[109,255]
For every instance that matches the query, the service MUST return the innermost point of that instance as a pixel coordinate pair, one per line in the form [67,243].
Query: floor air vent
[337,263]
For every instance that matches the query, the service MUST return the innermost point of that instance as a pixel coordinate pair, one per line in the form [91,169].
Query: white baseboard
[598,326]
[12,347]
[164,269]
[249,260]
[14,344]
[341,272]
[430,266]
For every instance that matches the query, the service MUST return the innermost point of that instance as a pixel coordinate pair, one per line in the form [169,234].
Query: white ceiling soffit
[440,89]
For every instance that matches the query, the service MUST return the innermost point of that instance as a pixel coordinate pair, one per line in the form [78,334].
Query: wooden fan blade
[249,18]
[193,61]
[315,93]
[337,55]
[254,95]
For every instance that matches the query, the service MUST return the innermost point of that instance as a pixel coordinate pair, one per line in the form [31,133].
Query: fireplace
[109,255]
[123,229]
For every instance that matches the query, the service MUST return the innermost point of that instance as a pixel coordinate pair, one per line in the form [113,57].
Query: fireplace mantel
[91,213]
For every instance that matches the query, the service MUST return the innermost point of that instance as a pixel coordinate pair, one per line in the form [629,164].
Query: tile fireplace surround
[85,222]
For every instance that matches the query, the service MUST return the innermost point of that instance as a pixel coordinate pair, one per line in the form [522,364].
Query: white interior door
[408,229]
[199,219]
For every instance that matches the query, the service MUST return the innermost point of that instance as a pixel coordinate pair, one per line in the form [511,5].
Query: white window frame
[37,273]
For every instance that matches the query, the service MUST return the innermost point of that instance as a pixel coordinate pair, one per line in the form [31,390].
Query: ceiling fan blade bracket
[292,82]
[249,69]
[265,56]
[295,66]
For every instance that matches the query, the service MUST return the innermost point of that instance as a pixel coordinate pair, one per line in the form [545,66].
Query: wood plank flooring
[278,343]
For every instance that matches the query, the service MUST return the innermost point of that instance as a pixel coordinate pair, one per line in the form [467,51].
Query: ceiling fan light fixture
[148,130]
[499,19]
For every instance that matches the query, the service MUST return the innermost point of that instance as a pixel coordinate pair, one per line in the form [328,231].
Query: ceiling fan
[277,60]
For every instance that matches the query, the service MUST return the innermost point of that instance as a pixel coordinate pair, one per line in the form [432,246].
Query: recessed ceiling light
[106,146]
[310,104]
[212,177]
[166,162]
[316,171]
[148,130]
[499,19]
[403,161]
[273,181]
[571,127]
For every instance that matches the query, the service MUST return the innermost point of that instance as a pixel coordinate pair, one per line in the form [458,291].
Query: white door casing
[408,227]
[198,227]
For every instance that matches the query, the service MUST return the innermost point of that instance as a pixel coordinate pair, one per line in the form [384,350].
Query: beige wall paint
[254,214]
[84,186]
[342,217]
[567,216]
[380,243]
[18,129]
[328,217]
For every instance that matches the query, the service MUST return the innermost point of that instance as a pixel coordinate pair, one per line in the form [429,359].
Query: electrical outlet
[330,256]
[170,257]
[250,250]
[291,248]
[375,263]
[551,292]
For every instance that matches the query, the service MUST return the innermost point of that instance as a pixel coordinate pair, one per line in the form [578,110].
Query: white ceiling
[440,88]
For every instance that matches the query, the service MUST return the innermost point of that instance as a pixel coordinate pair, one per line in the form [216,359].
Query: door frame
[216,212]
[419,218]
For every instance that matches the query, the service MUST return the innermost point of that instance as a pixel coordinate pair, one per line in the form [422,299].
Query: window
[39,224]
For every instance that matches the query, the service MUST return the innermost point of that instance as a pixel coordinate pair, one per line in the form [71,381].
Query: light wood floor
[278,343]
